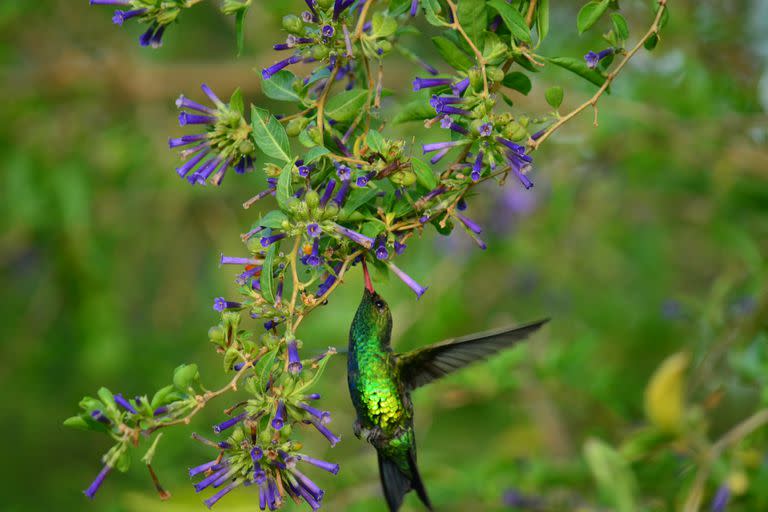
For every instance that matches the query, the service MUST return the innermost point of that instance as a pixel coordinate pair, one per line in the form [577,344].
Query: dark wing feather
[424,365]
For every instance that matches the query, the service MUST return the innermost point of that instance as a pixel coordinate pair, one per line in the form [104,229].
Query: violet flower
[294,361]
[408,280]
[593,59]
[220,304]
[94,487]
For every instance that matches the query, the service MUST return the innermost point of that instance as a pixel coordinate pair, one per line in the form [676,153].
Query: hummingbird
[381,381]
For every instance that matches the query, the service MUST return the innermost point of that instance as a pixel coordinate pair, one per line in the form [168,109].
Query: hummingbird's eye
[379,304]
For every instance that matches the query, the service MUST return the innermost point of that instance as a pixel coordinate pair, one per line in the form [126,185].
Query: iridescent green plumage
[380,383]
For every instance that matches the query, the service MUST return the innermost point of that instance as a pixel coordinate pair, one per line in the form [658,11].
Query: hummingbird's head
[375,314]
[373,317]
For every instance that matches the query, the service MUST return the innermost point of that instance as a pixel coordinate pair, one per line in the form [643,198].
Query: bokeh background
[643,236]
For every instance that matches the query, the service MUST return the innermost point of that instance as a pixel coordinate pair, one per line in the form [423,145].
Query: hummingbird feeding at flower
[380,384]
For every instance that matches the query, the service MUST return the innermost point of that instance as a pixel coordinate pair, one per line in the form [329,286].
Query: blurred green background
[635,230]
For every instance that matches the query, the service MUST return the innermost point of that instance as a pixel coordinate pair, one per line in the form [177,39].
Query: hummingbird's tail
[396,482]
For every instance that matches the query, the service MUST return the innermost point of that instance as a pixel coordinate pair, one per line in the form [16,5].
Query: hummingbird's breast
[375,390]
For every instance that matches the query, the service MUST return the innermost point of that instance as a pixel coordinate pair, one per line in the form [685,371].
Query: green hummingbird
[380,384]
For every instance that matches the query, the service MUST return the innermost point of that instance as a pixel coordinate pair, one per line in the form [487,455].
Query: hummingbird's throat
[368,283]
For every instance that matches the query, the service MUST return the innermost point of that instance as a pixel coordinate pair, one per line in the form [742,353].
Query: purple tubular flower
[256,454]
[520,165]
[517,148]
[186,140]
[326,466]
[262,494]
[721,499]
[279,47]
[356,237]
[279,420]
[314,259]
[593,59]
[220,304]
[207,481]
[326,285]
[347,41]
[328,31]
[486,129]
[313,396]
[433,193]
[477,167]
[426,83]
[238,366]
[314,230]
[381,249]
[186,118]
[110,2]
[231,260]
[184,169]
[363,180]
[323,416]
[184,102]
[437,146]
[211,95]
[436,100]
[273,496]
[439,155]
[459,87]
[308,484]
[304,170]
[328,192]
[201,468]
[470,224]
[210,502]
[269,240]
[427,67]
[447,122]
[267,73]
[248,274]
[343,171]
[120,16]
[341,194]
[311,501]
[414,7]
[408,280]
[160,411]
[99,416]
[125,404]
[330,436]
[294,361]
[399,247]
[221,427]
[94,487]
[450,109]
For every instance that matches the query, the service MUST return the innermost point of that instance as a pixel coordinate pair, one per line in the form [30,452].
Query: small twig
[531,12]
[592,102]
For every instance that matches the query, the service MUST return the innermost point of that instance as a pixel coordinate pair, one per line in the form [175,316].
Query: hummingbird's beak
[368,283]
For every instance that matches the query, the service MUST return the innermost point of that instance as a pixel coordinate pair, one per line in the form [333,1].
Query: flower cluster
[345,191]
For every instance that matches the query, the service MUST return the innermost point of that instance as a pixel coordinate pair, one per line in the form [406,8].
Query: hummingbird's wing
[424,365]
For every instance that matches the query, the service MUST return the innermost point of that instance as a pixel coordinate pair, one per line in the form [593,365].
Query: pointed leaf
[424,173]
[590,14]
[578,67]
[518,81]
[280,86]
[346,105]
[270,135]
[513,20]
[452,54]
[267,280]
[284,189]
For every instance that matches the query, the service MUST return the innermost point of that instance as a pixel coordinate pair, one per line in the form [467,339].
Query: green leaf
[424,173]
[382,25]
[579,67]
[77,422]
[513,20]
[280,86]
[417,110]
[273,219]
[432,9]
[375,141]
[318,373]
[613,475]
[264,367]
[284,189]
[452,54]
[315,154]
[267,279]
[620,26]
[651,42]
[236,101]
[150,453]
[542,19]
[356,199]
[240,30]
[107,398]
[184,376]
[270,135]
[473,17]
[554,96]
[590,14]
[346,105]
[518,81]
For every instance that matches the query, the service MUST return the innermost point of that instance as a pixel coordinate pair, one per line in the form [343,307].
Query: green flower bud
[320,53]
[404,178]
[515,131]
[475,79]
[314,135]
[272,170]
[494,74]
[294,127]
[385,46]
[312,199]
[185,376]
[254,244]
[292,23]
[286,224]
[217,334]
[331,210]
